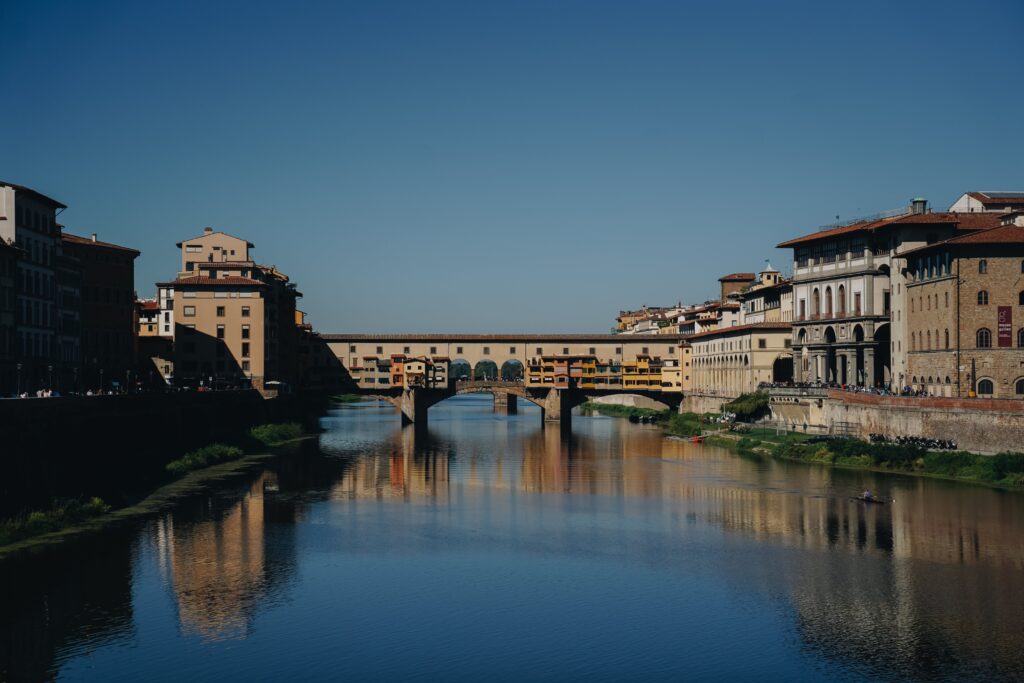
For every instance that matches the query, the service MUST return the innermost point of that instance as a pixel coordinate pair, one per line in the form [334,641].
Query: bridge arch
[485,369]
[512,370]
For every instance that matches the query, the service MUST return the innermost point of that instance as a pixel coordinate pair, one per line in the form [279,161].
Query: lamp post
[127,381]
[18,366]
[50,369]
[101,380]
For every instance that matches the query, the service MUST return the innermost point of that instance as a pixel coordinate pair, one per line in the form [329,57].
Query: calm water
[492,547]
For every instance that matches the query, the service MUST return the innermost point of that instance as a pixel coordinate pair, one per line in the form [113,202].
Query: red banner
[1005,314]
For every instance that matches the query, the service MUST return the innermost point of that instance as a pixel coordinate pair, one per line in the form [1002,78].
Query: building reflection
[224,565]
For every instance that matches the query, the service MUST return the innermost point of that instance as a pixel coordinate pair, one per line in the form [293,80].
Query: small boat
[872,499]
[697,439]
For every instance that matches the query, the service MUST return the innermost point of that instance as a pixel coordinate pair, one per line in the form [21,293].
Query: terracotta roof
[38,195]
[88,242]
[737,277]
[630,339]
[1004,234]
[202,280]
[741,328]
[963,221]
[149,305]
[986,198]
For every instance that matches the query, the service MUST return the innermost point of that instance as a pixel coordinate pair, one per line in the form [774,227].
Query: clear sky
[503,166]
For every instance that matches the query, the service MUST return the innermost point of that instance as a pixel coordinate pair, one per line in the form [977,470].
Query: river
[491,546]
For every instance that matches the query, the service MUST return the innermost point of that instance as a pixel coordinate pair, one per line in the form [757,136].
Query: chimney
[94,237]
[207,231]
[918,205]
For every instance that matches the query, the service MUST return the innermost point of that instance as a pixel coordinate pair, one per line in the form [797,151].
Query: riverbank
[195,472]
[1003,470]
[683,425]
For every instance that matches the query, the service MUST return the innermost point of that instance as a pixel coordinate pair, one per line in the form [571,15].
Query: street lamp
[19,378]
[50,369]
[101,380]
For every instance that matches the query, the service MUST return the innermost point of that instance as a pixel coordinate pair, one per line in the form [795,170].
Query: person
[867,495]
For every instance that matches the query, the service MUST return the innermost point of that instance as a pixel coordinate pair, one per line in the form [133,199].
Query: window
[762,343]
[947,299]
[646,350]
[828,302]
[487,350]
[189,311]
[220,312]
[985,387]
[982,266]
[433,350]
[245,366]
[352,348]
[458,349]
[565,351]
[618,350]
[983,298]
[947,340]
[245,331]
[245,311]
[594,351]
[540,351]
[220,331]
[1020,338]
[193,248]
[405,349]
[167,317]
[983,338]
[856,303]
[841,300]
[1018,387]
[380,349]
[245,349]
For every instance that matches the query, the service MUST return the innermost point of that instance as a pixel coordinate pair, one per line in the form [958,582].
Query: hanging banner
[1005,328]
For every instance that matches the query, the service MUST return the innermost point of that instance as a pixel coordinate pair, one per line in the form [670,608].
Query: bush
[270,434]
[64,513]
[748,406]
[203,457]
[1006,464]
[685,424]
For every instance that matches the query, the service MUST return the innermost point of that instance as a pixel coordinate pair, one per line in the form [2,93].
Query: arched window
[983,339]
[983,298]
[929,347]
[985,387]
[982,266]
[816,302]
[947,299]
[828,302]
[841,300]
[1020,338]
[913,341]
[1022,266]
[947,339]
[1018,387]
[1020,298]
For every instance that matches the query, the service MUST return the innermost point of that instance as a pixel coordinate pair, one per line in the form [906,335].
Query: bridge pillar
[557,407]
[505,403]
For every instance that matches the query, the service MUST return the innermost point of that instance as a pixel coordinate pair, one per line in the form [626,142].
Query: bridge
[555,404]
[504,350]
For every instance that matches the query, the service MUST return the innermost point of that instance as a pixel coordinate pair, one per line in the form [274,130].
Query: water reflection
[618,547]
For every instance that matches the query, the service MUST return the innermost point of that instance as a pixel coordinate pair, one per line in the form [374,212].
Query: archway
[782,369]
[859,375]
[883,356]
[512,370]
[459,370]
[485,369]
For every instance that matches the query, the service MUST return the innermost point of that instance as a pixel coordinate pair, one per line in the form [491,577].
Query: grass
[203,457]
[612,410]
[276,434]
[63,513]
[1004,470]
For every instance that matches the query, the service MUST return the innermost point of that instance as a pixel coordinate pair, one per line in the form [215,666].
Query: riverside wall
[115,447]
[978,425]
[703,403]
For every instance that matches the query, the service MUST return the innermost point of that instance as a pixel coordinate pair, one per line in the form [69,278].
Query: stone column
[557,407]
[505,403]
[869,367]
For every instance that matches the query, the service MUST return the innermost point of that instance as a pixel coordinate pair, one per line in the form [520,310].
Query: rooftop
[962,221]
[722,331]
[737,277]
[33,193]
[89,242]
[203,281]
[1000,198]
[1001,235]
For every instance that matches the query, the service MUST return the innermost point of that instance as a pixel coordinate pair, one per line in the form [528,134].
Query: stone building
[234,319]
[734,283]
[965,313]
[732,361]
[107,315]
[770,299]
[9,256]
[849,326]
[29,219]
[998,202]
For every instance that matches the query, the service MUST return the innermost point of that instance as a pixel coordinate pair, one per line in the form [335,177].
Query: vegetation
[347,398]
[276,434]
[613,410]
[1004,469]
[203,457]
[63,513]
[748,407]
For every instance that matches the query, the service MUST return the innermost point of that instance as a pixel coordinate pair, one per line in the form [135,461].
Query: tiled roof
[737,277]
[38,195]
[215,232]
[470,338]
[963,221]
[721,331]
[986,198]
[1004,234]
[86,241]
[149,305]
[202,280]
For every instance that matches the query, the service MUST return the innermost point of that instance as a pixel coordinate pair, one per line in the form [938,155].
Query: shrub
[270,434]
[748,406]
[64,513]
[203,457]
[1005,464]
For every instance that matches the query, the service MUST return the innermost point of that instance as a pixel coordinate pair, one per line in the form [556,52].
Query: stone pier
[505,403]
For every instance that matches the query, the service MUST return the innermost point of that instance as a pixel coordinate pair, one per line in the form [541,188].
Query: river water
[492,547]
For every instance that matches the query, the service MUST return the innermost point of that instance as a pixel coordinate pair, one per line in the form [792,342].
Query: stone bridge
[555,404]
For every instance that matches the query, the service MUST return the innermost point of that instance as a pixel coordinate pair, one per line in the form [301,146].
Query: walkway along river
[493,546]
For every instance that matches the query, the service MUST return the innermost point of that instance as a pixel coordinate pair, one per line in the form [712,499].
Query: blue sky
[515,166]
